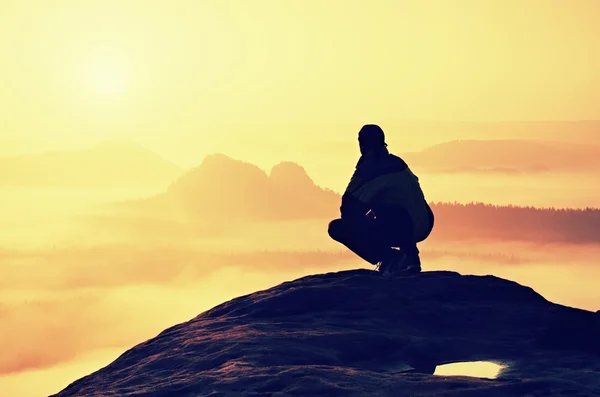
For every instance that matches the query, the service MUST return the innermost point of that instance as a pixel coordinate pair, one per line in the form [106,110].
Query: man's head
[370,137]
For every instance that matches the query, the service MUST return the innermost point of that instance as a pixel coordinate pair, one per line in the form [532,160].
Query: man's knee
[429,228]
[335,229]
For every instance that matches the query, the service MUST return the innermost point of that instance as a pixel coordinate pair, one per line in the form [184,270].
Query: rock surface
[354,333]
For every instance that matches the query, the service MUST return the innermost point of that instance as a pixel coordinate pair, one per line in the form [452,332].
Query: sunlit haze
[106,77]
[191,77]
[141,145]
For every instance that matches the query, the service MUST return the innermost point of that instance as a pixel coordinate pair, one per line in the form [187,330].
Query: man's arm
[352,207]
[355,181]
[369,199]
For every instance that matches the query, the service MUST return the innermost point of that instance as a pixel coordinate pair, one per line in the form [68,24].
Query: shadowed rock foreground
[354,333]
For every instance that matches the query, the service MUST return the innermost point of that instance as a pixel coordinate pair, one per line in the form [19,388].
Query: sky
[206,74]
[262,81]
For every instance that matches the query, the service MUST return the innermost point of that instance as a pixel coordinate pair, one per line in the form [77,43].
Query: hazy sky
[199,72]
[263,81]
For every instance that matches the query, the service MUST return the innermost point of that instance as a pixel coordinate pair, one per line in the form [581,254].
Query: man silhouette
[384,213]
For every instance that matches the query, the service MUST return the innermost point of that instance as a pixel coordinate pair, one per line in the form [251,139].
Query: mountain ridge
[221,184]
[224,191]
[506,156]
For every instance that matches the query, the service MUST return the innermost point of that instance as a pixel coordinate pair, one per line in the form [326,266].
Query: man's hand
[371,214]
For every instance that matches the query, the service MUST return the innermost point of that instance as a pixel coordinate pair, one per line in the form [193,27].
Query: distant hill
[108,165]
[507,156]
[222,191]
[222,188]
[574,131]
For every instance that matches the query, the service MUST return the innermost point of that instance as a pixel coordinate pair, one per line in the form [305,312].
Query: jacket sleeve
[352,207]
[355,181]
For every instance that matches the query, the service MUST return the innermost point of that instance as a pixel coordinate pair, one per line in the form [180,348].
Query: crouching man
[384,213]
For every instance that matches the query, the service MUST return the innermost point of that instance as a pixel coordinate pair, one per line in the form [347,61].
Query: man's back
[382,179]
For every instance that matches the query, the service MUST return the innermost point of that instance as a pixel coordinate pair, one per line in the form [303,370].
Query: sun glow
[106,77]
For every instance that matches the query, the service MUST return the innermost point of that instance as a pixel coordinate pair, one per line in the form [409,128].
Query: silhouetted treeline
[486,221]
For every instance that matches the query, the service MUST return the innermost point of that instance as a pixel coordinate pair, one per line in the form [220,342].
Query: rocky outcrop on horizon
[229,190]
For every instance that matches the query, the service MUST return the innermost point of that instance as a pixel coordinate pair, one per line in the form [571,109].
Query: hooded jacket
[384,182]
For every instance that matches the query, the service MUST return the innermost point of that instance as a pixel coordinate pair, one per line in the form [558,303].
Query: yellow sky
[193,72]
[187,77]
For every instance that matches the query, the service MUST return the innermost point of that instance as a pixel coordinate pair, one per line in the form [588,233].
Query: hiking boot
[410,265]
[400,264]
[388,266]
[383,266]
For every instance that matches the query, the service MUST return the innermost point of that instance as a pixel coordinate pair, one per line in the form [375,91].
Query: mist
[158,160]
[91,272]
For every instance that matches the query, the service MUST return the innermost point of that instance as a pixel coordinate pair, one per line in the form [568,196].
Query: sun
[106,77]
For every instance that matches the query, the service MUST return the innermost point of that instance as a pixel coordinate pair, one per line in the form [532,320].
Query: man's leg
[399,230]
[366,238]
[400,233]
